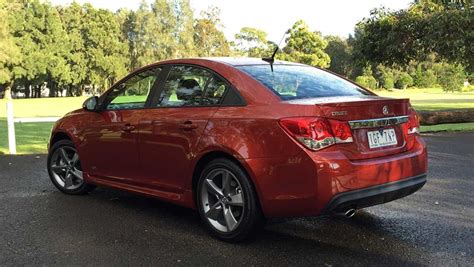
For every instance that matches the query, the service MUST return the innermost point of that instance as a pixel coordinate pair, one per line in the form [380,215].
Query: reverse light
[413,122]
[317,133]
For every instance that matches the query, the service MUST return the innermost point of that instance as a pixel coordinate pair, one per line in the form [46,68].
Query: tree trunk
[446,116]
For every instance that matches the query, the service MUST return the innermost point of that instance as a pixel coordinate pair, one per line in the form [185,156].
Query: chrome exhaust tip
[349,213]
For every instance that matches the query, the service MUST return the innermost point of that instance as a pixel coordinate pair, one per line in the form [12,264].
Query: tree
[208,36]
[105,54]
[398,37]
[305,46]
[185,29]
[340,53]
[253,42]
[9,51]
[451,77]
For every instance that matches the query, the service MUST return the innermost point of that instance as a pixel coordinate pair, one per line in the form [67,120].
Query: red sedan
[242,140]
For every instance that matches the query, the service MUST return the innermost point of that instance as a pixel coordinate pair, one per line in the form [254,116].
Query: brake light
[317,133]
[413,122]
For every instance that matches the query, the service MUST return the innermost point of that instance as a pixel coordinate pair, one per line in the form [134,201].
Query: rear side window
[298,82]
[191,86]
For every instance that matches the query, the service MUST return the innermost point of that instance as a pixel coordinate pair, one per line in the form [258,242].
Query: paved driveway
[40,226]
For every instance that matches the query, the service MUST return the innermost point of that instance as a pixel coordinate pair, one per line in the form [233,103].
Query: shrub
[404,80]
[424,78]
[387,80]
[367,81]
[451,77]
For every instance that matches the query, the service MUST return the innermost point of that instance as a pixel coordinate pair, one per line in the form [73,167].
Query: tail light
[413,123]
[317,133]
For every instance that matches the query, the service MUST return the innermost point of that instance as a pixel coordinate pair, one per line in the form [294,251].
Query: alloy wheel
[222,200]
[66,168]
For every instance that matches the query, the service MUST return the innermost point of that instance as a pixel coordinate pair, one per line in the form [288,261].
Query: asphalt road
[41,226]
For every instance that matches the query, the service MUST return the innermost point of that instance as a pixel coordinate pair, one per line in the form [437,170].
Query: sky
[330,17]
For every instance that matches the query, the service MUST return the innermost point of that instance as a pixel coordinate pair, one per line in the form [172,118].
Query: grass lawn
[432,98]
[31,138]
[450,127]
[42,107]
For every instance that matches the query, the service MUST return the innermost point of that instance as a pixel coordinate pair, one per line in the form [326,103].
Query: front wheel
[64,168]
[227,201]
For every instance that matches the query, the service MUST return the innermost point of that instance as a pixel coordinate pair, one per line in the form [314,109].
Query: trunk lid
[366,115]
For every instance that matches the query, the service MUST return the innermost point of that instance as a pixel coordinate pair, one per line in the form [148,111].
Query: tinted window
[191,86]
[214,91]
[134,92]
[296,82]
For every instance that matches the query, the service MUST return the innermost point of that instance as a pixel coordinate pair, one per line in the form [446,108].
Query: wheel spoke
[213,188]
[226,180]
[214,212]
[68,181]
[77,173]
[63,155]
[236,200]
[58,168]
[74,159]
[230,220]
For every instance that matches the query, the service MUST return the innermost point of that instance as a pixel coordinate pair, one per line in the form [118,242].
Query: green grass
[432,98]
[42,107]
[452,127]
[31,138]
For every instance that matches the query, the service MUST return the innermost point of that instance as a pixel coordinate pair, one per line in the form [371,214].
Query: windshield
[297,82]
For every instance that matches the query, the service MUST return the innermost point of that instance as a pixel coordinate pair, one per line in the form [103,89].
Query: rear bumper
[374,195]
[308,184]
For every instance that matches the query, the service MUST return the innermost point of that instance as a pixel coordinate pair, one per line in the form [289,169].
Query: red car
[242,140]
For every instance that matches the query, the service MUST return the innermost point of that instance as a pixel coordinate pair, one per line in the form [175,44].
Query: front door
[111,137]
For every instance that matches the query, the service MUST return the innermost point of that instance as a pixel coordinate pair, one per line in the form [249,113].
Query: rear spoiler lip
[344,101]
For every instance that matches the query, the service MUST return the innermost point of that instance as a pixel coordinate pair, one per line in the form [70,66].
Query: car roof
[242,61]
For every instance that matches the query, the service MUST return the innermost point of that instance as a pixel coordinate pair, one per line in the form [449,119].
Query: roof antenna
[271,59]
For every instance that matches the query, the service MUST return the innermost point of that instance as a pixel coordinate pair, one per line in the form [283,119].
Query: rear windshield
[298,82]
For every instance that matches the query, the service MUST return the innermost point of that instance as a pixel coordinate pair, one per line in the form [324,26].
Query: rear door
[111,136]
[170,131]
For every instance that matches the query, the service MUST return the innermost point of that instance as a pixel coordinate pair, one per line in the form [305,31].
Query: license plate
[382,138]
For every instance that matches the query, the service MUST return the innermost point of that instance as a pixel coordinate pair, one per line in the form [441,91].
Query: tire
[230,210]
[64,169]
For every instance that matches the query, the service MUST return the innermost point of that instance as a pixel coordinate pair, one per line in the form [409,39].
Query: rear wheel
[64,168]
[227,201]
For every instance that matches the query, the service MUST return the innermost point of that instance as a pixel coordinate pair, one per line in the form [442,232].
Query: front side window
[134,92]
[298,82]
[191,86]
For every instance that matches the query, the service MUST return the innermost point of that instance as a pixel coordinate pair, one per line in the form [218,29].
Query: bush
[424,78]
[451,77]
[404,80]
[367,81]
[387,80]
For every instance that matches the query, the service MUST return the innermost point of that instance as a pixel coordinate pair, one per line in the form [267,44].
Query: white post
[11,128]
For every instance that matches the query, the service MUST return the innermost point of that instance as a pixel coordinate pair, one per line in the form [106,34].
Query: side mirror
[91,104]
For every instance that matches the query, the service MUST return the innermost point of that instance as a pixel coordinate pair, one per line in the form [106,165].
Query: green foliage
[305,46]
[253,42]
[340,53]
[398,37]
[451,77]
[424,78]
[9,51]
[404,80]
[208,35]
[367,81]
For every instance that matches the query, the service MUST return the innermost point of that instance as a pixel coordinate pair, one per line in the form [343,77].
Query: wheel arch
[207,157]
[58,136]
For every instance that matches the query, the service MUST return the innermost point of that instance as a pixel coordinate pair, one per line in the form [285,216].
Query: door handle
[128,128]
[188,125]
